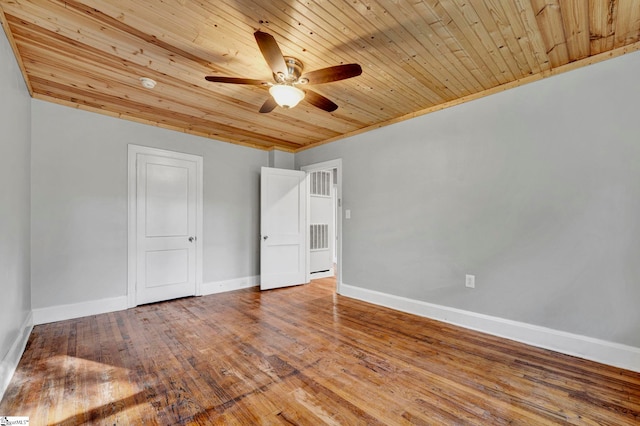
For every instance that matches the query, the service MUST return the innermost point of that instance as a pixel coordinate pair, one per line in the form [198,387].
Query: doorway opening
[325,222]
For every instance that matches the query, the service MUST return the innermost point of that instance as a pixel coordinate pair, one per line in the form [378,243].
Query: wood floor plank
[301,355]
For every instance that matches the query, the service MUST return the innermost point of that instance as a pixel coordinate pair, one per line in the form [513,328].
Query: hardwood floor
[301,356]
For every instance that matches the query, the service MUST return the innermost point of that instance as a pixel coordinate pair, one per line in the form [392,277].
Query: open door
[283,228]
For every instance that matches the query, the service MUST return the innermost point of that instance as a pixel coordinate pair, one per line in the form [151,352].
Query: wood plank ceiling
[417,56]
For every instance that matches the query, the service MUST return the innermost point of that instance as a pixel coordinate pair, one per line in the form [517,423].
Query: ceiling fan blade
[338,72]
[271,52]
[268,105]
[235,80]
[319,101]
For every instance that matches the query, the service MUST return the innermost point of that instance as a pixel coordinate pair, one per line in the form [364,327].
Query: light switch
[347,214]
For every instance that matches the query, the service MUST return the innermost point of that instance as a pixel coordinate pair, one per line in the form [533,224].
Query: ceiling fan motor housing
[294,70]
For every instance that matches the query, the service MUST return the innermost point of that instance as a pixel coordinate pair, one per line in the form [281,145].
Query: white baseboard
[10,362]
[214,287]
[615,354]
[77,310]
[112,304]
[325,274]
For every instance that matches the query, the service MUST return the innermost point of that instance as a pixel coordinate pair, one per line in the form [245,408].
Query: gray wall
[281,160]
[15,119]
[534,190]
[79,203]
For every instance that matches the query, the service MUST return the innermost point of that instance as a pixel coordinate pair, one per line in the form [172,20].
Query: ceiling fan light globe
[286,96]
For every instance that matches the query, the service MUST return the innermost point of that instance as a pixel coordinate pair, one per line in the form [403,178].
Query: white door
[283,228]
[166,216]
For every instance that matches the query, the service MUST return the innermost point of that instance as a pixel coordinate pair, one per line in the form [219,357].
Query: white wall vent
[319,239]
[321,183]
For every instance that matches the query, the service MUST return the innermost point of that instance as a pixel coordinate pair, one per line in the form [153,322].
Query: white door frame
[133,151]
[331,164]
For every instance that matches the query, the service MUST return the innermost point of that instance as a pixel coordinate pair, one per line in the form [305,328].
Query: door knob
[265,237]
[192,239]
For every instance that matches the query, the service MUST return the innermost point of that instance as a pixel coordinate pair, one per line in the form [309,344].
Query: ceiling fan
[287,74]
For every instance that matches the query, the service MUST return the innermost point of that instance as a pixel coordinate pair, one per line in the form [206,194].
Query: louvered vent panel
[319,236]
[321,183]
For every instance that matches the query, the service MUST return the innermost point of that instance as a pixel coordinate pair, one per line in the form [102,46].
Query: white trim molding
[214,287]
[78,310]
[324,274]
[611,353]
[120,303]
[9,363]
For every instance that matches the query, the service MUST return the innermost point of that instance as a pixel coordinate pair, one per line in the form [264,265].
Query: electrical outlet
[470,281]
